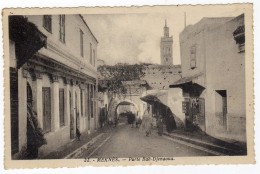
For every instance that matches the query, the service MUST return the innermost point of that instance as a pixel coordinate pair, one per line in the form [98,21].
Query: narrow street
[125,141]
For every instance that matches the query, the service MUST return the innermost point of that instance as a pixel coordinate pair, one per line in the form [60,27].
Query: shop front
[193,105]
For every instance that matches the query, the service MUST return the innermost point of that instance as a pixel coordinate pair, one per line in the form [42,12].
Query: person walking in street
[110,122]
[146,125]
[102,117]
[78,134]
[133,120]
[138,122]
[160,126]
[116,121]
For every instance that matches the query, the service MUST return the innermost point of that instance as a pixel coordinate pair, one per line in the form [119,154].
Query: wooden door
[77,111]
[61,107]
[14,110]
[46,102]
[87,106]
[71,119]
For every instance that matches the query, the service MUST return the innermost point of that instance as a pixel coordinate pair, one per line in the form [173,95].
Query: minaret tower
[166,47]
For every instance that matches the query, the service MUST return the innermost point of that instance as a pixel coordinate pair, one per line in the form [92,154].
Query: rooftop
[204,23]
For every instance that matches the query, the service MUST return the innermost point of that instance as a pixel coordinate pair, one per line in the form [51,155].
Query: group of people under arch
[162,120]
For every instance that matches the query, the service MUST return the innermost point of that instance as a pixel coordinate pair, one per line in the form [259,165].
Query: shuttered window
[61,107]
[193,57]
[90,52]
[62,28]
[81,102]
[81,43]
[91,101]
[47,22]
[94,101]
[87,102]
[46,102]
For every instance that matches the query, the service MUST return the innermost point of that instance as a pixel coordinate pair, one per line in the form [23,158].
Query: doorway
[71,119]
[195,115]
[77,111]
[221,107]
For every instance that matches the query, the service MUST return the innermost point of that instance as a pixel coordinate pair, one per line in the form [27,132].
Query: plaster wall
[68,52]
[225,70]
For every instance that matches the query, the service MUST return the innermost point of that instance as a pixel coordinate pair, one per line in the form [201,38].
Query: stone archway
[112,111]
[125,102]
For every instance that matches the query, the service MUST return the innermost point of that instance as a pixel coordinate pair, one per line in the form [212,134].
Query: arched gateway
[112,110]
[137,104]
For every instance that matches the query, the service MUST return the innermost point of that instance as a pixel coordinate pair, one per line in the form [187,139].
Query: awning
[150,99]
[195,79]
[125,103]
[154,97]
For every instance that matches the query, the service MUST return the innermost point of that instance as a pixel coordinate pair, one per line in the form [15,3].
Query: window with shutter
[94,101]
[91,102]
[87,102]
[47,22]
[81,44]
[46,101]
[61,107]
[62,28]
[193,57]
[90,51]
[81,102]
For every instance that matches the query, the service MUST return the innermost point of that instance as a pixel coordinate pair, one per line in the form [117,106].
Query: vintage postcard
[123,86]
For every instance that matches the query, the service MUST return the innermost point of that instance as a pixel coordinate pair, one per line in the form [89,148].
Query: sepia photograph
[162,85]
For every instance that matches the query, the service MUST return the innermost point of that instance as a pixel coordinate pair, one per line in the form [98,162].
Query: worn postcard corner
[123,86]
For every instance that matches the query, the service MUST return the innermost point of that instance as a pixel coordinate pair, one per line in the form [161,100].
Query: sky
[135,37]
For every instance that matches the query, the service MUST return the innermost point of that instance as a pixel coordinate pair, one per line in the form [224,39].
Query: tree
[111,76]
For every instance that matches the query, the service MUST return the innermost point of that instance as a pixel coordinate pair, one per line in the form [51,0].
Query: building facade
[213,77]
[61,79]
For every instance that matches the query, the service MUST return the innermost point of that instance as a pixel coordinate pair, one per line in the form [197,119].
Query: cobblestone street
[125,141]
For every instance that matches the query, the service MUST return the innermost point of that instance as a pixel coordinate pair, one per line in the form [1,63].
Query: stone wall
[161,76]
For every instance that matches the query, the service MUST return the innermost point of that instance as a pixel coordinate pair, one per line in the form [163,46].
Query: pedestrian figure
[102,117]
[133,122]
[160,126]
[116,121]
[78,134]
[110,121]
[138,122]
[146,125]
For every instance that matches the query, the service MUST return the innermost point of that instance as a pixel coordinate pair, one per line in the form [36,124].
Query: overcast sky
[134,38]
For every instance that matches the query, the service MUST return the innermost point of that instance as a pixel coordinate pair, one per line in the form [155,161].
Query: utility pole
[184,19]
